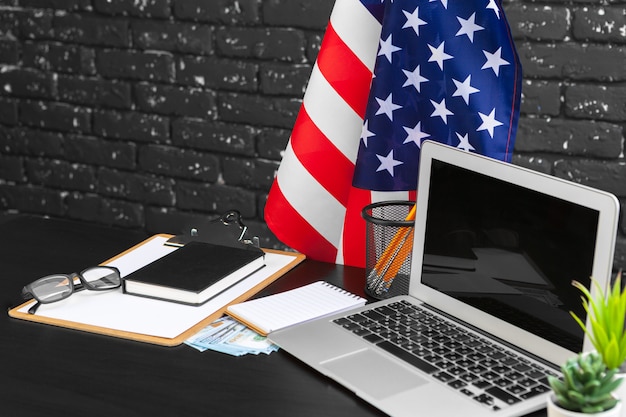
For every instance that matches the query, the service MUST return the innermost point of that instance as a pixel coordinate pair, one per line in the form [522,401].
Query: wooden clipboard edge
[158,340]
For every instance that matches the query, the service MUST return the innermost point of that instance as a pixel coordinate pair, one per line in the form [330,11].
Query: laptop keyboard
[467,362]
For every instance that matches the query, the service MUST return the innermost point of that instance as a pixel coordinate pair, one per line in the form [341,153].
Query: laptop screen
[509,251]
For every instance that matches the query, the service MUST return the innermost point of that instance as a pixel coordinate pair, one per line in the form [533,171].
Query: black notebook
[195,273]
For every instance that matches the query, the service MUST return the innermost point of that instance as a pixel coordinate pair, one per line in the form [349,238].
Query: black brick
[598,102]
[541,98]
[61,174]
[272,142]
[249,173]
[32,199]
[275,43]
[36,24]
[8,111]
[298,13]
[27,83]
[571,137]
[41,143]
[605,24]
[539,164]
[143,188]
[73,59]
[229,12]
[88,30]
[94,92]
[573,61]
[182,163]
[145,66]
[177,101]
[538,22]
[94,151]
[147,8]
[283,79]
[213,136]
[217,73]
[8,142]
[215,198]
[11,168]
[133,126]
[607,176]
[9,51]
[55,116]
[175,37]
[9,21]
[94,208]
[314,40]
[258,110]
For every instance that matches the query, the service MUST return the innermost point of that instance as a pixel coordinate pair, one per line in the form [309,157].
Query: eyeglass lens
[101,278]
[52,288]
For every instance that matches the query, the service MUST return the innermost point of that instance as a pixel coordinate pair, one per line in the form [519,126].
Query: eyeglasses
[57,287]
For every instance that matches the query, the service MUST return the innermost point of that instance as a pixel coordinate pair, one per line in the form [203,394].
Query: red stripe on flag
[321,158]
[298,233]
[354,228]
[344,71]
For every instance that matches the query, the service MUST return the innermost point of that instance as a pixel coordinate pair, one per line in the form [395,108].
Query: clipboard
[190,320]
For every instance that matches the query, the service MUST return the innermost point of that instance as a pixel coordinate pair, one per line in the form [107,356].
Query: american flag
[388,76]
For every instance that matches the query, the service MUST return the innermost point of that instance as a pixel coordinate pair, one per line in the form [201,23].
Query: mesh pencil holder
[388,244]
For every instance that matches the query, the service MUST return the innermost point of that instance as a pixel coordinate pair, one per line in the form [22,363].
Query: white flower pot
[620,392]
[556,411]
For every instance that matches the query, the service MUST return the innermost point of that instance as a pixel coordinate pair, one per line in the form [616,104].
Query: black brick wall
[153,114]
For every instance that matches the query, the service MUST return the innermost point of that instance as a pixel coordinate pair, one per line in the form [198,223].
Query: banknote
[231,337]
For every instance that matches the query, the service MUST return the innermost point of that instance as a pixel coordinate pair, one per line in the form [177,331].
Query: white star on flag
[388,163]
[365,133]
[414,78]
[438,55]
[413,21]
[464,89]
[493,6]
[468,27]
[489,122]
[494,61]
[464,142]
[387,48]
[415,134]
[441,110]
[387,106]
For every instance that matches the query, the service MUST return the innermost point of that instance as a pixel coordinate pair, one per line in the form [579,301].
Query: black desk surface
[49,371]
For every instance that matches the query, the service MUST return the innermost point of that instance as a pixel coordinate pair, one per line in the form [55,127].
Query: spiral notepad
[277,311]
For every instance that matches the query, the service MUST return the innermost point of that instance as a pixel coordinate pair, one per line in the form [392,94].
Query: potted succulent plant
[607,311]
[586,388]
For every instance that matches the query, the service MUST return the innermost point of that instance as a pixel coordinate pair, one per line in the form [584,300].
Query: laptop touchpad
[372,373]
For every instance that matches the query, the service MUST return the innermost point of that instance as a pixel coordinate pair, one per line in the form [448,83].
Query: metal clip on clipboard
[227,229]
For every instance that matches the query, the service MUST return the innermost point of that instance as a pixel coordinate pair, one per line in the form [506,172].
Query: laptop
[486,318]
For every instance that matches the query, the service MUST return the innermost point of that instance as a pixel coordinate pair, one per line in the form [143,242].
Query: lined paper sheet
[294,306]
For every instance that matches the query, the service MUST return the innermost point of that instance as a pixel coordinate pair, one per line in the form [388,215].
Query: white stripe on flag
[356,26]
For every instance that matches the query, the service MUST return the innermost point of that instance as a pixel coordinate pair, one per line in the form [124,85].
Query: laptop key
[408,357]
[502,395]
[534,391]
[373,338]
